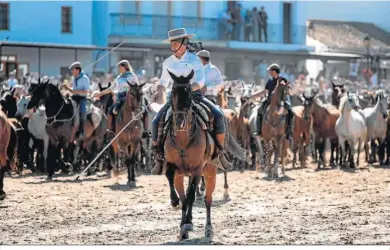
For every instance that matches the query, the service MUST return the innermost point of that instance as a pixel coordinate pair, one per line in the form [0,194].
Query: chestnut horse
[324,121]
[188,149]
[8,150]
[302,125]
[129,142]
[273,129]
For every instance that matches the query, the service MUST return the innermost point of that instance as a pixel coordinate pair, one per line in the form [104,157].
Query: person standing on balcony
[236,16]
[213,77]
[263,23]
[182,62]
[248,25]
[255,25]
[227,27]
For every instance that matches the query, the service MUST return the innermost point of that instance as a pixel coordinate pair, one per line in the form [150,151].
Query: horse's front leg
[52,161]
[381,151]
[210,175]
[170,174]
[352,145]
[190,201]
[295,149]
[131,163]
[276,147]
[179,186]
[342,145]
[45,151]
[2,174]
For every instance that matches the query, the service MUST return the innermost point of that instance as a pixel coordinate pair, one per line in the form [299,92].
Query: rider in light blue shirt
[80,89]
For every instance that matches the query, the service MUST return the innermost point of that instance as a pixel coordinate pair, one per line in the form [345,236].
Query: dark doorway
[287,22]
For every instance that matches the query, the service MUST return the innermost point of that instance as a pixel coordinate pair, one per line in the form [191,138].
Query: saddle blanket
[95,112]
[202,110]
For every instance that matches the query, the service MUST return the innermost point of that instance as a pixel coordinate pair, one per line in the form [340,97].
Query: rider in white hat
[182,62]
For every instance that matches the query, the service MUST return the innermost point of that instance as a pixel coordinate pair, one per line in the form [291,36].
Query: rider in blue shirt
[80,89]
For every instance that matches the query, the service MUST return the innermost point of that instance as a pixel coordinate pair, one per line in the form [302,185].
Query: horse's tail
[231,144]
[5,131]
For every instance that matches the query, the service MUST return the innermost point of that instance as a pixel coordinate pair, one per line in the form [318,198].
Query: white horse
[375,118]
[350,127]
[36,124]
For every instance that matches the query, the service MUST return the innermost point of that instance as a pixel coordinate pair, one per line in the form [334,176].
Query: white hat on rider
[203,53]
[177,34]
[75,65]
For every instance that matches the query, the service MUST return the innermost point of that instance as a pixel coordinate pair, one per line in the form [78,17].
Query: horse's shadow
[121,187]
[285,178]
[199,202]
[194,241]
[62,181]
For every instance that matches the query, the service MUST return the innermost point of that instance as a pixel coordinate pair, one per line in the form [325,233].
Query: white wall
[51,59]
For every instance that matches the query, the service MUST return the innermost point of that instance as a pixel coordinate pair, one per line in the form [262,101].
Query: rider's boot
[259,122]
[158,160]
[146,133]
[220,139]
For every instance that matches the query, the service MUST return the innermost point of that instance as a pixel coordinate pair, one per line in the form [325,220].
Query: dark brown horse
[302,124]
[324,121]
[337,93]
[188,149]
[129,142]
[273,130]
[61,125]
[8,150]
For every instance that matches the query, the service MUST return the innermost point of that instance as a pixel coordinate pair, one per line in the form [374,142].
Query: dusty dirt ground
[329,206]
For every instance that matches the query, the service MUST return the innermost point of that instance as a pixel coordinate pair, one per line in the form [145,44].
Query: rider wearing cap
[213,77]
[80,89]
[274,72]
[182,62]
[120,88]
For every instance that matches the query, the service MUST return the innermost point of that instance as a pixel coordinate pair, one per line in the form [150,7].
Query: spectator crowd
[244,25]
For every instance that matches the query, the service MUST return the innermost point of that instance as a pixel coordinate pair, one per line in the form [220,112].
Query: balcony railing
[157,26]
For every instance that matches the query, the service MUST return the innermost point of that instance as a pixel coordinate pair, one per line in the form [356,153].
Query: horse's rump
[5,131]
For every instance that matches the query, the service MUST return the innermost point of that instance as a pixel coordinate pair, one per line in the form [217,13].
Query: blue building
[48,36]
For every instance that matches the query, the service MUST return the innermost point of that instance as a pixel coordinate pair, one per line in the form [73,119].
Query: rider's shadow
[285,178]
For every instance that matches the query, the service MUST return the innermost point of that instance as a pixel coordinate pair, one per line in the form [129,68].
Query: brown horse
[8,150]
[324,121]
[273,129]
[129,141]
[302,125]
[188,149]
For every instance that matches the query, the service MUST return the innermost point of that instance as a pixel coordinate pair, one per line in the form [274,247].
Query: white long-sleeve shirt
[213,79]
[182,67]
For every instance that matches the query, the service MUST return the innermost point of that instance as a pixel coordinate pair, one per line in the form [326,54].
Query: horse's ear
[142,85]
[100,86]
[13,91]
[191,74]
[173,76]
[333,85]
[109,84]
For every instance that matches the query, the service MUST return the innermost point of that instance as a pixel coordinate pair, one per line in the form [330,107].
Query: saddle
[202,115]
[94,114]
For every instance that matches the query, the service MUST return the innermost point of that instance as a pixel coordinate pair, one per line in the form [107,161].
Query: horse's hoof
[2,196]
[208,233]
[176,205]
[188,227]
[226,195]
[131,184]
[108,176]
[183,235]
[49,178]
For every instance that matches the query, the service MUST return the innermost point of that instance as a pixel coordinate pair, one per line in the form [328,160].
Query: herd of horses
[38,133]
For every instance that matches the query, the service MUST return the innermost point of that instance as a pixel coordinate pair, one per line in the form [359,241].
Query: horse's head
[41,94]
[181,99]
[280,92]
[134,97]
[338,92]
[308,101]
[22,106]
[353,100]
[383,103]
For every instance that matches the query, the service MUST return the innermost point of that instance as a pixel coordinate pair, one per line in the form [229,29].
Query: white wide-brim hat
[177,34]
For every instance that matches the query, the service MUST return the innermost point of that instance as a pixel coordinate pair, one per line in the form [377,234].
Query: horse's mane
[343,104]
